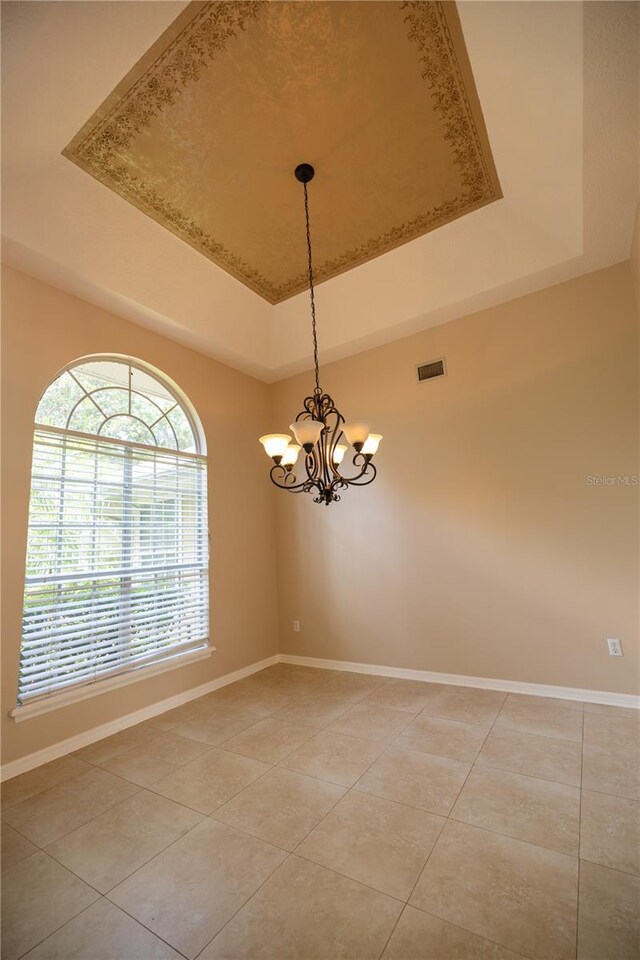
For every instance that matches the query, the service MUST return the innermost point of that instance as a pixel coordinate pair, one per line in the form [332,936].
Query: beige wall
[43,329]
[481,548]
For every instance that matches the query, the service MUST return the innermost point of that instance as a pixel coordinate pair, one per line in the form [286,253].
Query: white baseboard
[63,747]
[459,679]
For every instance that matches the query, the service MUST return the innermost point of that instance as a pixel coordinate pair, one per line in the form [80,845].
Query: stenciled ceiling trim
[188,48]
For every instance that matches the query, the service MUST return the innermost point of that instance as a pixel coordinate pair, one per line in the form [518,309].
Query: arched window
[117,552]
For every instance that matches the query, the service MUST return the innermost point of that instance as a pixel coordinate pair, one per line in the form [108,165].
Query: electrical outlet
[296,626]
[615,648]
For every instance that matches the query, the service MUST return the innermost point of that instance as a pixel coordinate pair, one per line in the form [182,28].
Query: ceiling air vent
[427,371]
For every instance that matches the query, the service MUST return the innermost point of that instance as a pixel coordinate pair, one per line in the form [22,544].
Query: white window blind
[117,559]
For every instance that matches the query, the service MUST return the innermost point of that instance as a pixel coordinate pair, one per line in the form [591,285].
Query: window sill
[55,701]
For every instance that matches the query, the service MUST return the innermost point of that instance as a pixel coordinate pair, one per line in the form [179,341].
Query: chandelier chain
[311,292]
[319,426]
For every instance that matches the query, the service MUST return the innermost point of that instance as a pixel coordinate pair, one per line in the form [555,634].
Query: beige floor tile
[216,725]
[313,713]
[191,889]
[614,771]
[334,757]
[351,686]
[267,694]
[625,713]
[42,778]
[150,762]
[409,695]
[307,685]
[377,842]
[297,686]
[610,831]
[540,702]
[467,704]
[280,670]
[110,747]
[170,719]
[533,755]
[611,732]
[102,932]
[275,679]
[419,779]
[371,722]
[609,914]
[211,780]
[230,690]
[521,896]
[15,847]
[261,681]
[38,896]
[323,673]
[527,808]
[288,670]
[59,810]
[445,738]
[499,879]
[304,912]
[269,740]
[251,698]
[545,719]
[421,937]
[320,695]
[109,848]
[281,808]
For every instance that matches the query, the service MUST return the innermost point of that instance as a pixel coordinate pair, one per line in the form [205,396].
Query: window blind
[117,559]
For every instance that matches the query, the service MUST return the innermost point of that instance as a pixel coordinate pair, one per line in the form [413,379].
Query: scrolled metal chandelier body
[319,428]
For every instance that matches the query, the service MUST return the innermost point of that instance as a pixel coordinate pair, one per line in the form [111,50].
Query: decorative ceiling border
[203,30]
[431,25]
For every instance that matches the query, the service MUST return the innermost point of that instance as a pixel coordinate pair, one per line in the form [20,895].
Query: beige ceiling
[205,130]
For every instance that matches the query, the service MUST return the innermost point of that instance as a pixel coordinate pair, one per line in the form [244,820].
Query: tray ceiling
[565,140]
[205,130]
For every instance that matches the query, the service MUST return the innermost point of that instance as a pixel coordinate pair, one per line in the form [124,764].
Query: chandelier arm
[313,484]
[314,472]
[278,473]
[364,469]
[358,482]
[311,465]
[311,292]
[309,409]
[335,439]
[325,451]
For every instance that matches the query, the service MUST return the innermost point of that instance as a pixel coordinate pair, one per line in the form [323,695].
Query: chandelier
[320,427]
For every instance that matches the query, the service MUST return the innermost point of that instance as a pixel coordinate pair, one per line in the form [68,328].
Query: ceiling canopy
[205,130]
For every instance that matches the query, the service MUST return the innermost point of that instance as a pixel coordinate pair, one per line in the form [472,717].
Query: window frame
[56,698]
[155,373]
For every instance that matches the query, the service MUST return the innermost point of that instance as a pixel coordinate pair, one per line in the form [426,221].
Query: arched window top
[119,398]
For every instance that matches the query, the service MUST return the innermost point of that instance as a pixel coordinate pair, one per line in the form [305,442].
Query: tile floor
[304,814]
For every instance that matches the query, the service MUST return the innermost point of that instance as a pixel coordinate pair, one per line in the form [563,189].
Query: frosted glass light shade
[290,455]
[307,432]
[275,444]
[356,432]
[372,443]
[339,452]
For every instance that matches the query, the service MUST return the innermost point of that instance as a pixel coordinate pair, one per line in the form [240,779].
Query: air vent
[427,371]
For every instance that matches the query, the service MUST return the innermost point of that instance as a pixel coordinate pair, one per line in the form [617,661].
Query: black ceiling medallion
[320,427]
